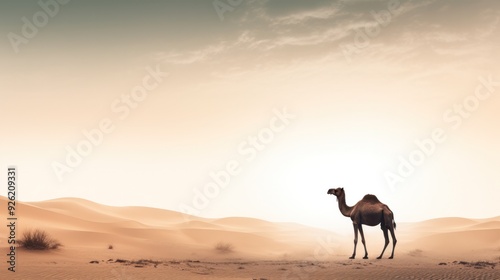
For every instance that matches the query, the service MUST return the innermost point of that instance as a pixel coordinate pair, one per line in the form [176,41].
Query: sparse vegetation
[38,240]
[477,265]
[224,248]
[110,247]
[415,253]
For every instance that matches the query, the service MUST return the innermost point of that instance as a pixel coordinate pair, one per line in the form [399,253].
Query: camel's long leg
[394,241]
[355,240]
[386,236]
[363,240]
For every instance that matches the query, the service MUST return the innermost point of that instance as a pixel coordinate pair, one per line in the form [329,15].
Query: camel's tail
[393,221]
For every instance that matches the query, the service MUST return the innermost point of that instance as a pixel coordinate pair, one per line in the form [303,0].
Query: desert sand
[104,242]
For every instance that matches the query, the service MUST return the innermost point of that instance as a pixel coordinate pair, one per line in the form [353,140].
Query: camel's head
[337,192]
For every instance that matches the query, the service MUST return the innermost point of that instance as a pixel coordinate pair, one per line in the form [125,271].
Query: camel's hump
[371,198]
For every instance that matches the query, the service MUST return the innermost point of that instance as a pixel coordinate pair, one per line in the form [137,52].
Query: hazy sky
[361,81]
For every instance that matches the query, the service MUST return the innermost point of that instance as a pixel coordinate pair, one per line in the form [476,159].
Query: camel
[368,211]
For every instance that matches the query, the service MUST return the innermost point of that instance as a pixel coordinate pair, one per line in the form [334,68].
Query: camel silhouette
[368,211]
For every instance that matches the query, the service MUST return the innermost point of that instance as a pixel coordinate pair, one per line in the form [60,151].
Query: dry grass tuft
[416,253]
[38,240]
[224,248]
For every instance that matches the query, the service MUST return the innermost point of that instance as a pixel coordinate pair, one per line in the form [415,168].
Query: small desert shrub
[223,247]
[415,253]
[38,240]
[110,247]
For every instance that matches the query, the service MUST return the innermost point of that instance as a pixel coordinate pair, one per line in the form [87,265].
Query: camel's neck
[344,209]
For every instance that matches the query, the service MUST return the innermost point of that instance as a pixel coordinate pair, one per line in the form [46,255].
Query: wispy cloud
[323,13]
[205,54]
[316,33]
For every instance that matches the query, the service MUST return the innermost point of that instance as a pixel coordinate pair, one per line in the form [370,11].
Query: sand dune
[457,233]
[461,241]
[486,225]
[184,246]
[443,224]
